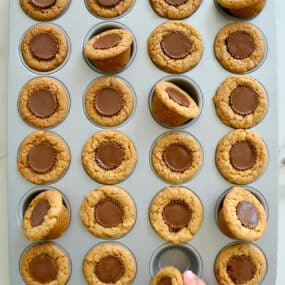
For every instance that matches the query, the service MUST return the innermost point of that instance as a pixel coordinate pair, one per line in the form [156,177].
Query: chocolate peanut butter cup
[109,101]
[109,51]
[175,47]
[239,47]
[176,157]
[109,263]
[46,216]
[43,157]
[240,264]
[176,214]
[44,47]
[241,156]
[242,215]
[109,8]
[109,157]
[108,212]
[240,101]
[167,276]
[45,263]
[173,106]
[175,9]
[44,10]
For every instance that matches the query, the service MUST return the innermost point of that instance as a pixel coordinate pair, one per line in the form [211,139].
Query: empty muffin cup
[109,48]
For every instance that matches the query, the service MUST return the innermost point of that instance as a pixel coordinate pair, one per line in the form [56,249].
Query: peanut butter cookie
[43,102]
[44,47]
[109,157]
[46,216]
[167,276]
[239,47]
[43,157]
[240,102]
[109,263]
[109,101]
[176,214]
[241,156]
[240,264]
[242,215]
[44,10]
[45,263]
[175,46]
[108,212]
[176,157]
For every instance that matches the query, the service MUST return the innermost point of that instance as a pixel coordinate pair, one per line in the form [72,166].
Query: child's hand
[191,279]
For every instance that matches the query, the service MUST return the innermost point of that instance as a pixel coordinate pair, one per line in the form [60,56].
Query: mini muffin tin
[143,184]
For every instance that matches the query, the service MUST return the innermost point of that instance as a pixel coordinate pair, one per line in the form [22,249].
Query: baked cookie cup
[176,214]
[167,275]
[46,216]
[108,212]
[241,156]
[109,157]
[109,263]
[175,46]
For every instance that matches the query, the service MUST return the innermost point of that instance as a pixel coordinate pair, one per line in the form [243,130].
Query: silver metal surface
[143,184]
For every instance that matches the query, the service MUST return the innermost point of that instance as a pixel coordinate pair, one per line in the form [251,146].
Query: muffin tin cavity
[183,257]
[104,27]
[189,86]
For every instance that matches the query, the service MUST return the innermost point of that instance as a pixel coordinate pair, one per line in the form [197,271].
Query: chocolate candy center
[108,3]
[109,155]
[241,269]
[107,41]
[243,155]
[247,214]
[42,157]
[177,96]
[43,269]
[42,103]
[177,157]
[109,269]
[243,100]
[108,102]
[109,213]
[176,45]
[240,45]
[176,3]
[43,4]
[176,215]
[165,281]
[39,212]
[43,46]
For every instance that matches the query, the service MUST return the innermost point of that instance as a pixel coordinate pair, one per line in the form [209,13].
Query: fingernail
[189,275]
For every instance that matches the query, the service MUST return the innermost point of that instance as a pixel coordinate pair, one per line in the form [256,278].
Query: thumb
[191,279]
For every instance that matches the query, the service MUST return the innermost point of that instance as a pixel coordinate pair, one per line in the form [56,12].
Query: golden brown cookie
[109,157]
[45,263]
[44,10]
[43,102]
[242,215]
[109,263]
[109,101]
[171,105]
[241,156]
[175,9]
[110,51]
[43,157]
[168,276]
[175,46]
[176,214]
[46,216]
[240,102]
[176,157]
[44,47]
[109,8]
[108,212]
[239,47]
[240,264]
